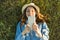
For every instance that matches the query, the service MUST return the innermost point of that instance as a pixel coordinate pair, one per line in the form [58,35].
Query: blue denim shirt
[43,28]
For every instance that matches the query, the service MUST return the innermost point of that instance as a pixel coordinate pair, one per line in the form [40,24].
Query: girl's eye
[32,10]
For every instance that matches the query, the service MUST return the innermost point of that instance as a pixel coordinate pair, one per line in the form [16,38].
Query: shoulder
[18,23]
[42,23]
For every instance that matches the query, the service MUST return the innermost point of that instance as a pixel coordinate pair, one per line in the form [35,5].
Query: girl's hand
[26,30]
[36,29]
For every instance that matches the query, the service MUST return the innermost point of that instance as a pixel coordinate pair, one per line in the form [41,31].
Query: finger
[34,27]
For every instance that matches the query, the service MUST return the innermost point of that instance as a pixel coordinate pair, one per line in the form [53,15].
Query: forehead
[30,7]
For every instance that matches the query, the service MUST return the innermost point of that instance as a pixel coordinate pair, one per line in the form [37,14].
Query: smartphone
[31,20]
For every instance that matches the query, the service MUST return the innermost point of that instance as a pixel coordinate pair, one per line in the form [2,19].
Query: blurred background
[10,11]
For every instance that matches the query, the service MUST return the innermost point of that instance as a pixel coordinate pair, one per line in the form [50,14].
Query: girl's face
[30,11]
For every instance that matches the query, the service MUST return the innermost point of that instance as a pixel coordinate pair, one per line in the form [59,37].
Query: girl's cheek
[33,13]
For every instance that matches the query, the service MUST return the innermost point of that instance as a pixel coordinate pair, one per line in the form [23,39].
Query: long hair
[39,17]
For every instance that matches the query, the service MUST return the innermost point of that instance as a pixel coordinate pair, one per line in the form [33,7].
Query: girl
[39,30]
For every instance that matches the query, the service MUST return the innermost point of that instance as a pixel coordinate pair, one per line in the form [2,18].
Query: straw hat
[30,4]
